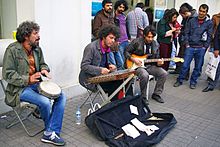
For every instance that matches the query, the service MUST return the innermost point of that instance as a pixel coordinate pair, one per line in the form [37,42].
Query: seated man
[95,61]
[23,65]
[146,45]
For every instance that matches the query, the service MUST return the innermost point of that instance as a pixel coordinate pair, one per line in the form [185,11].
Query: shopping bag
[212,66]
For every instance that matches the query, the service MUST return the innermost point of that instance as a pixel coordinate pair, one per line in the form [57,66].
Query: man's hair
[140,5]
[25,29]
[109,29]
[149,29]
[106,1]
[119,2]
[204,6]
[185,7]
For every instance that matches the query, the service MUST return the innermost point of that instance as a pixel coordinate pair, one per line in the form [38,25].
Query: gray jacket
[90,65]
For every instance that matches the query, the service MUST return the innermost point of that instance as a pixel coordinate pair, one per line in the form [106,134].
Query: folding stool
[136,83]
[90,99]
[20,116]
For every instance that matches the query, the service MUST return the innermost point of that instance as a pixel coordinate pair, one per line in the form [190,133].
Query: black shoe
[174,72]
[145,100]
[207,89]
[192,86]
[177,84]
[36,113]
[157,98]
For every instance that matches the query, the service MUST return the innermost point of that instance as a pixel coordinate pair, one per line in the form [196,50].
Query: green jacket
[16,71]
[162,28]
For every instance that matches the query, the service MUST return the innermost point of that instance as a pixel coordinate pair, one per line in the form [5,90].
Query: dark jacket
[137,47]
[162,27]
[194,32]
[100,20]
[217,39]
[16,71]
[184,24]
[90,64]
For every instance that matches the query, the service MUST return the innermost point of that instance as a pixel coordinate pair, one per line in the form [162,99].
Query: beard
[34,44]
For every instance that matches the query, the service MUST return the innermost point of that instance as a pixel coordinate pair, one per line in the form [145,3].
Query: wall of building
[65,31]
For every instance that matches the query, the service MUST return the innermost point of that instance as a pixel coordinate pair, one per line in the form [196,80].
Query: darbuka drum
[49,89]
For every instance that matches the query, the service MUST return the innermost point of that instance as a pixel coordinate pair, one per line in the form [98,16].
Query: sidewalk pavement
[197,114]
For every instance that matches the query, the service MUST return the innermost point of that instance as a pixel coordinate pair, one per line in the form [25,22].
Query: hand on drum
[35,78]
[46,74]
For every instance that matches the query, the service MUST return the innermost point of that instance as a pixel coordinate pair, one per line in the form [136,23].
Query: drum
[49,89]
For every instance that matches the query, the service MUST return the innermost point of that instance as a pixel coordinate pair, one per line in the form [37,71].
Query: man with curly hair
[23,65]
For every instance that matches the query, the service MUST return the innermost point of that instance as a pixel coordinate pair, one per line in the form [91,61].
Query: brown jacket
[101,19]
[216,20]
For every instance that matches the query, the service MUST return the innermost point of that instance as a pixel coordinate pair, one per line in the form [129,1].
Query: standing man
[95,60]
[213,83]
[198,34]
[187,12]
[120,20]
[137,18]
[105,17]
[146,45]
[23,65]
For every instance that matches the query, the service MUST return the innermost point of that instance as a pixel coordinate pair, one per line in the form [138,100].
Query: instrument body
[131,65]
[117,75]
[49,89]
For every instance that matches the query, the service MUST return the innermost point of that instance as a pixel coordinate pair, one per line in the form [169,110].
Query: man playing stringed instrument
[142,48]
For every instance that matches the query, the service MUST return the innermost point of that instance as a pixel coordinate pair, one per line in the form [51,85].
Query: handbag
[212,66]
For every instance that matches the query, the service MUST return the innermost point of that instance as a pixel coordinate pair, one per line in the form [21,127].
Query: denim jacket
[194,32]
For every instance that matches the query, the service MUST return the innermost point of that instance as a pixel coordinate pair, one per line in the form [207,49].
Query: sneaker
[53,139]
[192,86]
[177,84]
[157,98]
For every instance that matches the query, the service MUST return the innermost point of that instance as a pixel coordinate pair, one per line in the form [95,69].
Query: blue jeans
[116,59]
[53,117]
[122,48]
[198,55]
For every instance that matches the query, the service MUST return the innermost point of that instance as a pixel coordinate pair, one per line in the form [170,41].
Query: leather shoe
[157,98]
[174,72]
[207,89]
[177,84]
[192,86]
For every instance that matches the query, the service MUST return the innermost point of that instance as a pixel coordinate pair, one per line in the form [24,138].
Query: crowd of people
[117,38]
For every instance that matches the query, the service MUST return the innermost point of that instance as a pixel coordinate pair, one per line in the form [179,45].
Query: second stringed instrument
[131,65]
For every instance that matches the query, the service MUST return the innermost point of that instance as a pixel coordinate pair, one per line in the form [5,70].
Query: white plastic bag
[212,66]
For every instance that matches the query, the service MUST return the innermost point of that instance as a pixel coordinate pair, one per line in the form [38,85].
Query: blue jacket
[194,32]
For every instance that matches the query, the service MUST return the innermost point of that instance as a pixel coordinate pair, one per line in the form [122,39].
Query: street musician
[95,61]
[147,47]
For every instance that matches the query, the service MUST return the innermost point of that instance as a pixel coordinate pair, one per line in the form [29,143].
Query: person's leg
[119,60]
[165,52]
[198,57]
[143,76]
[161,75]
[112,58]
[57,114]
[186,64]
[122,48]
[30,94]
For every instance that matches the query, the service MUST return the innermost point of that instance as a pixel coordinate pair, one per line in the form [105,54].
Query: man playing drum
[23,65]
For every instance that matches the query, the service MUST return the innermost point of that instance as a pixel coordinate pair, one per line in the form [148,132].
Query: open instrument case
[107,122]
